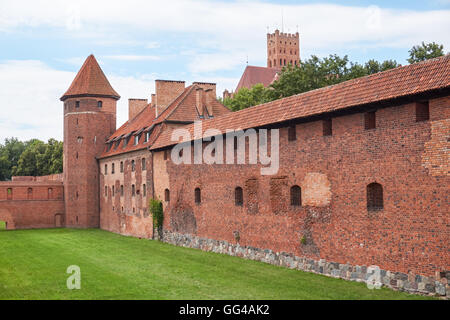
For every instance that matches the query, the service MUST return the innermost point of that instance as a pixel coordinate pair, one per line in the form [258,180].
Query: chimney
[135,106]
[209,100]
[206,86]
[199,102]
[166,92]
[153,100]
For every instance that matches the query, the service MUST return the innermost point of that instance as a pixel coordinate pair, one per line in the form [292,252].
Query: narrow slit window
[167,195]
[238,196]
[369,120]
[422,111]
[327,127]
[292,133]
[296,196]
[144,165]
[198,196]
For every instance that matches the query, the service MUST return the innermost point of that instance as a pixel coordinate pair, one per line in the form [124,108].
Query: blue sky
[44,43]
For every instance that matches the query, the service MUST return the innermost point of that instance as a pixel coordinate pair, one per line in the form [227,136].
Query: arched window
[133,190]
[30,193]
[167,195]
[296,196]
[144,190]
[133,165]
[238,196]
[106,169]
[144,166]
[50,193]
[112,168]
[374,197]
[121,190]
[112,191]
[99,104]
[198,196]
[121,166]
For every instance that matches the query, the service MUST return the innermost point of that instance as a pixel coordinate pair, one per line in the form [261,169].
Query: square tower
[282,49]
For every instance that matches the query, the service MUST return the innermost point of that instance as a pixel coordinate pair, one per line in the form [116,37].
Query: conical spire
[90,81]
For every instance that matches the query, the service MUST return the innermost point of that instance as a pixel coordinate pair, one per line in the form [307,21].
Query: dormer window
[147,136]
[136,140]
[99,104]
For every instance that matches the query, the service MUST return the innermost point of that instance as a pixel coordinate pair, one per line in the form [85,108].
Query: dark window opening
[77,104]
[121,166]
[327,127]
[133,165]
[112,168]
[121,190]
[374,197]
[106,169]
[106,191]
[144,164]
[112,192]
[296,196]
[167,195]
[292,133]
[30,193]
[238,196]
[369,120]
[144,190]
[133,190]
[99,104]
[422,111]
[198,196]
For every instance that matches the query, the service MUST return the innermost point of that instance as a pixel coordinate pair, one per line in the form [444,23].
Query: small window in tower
[121,190]
[292,133]
[144,190]
[133,190]
[106,191]
[422,111]
[77,104]
[327,125]
[238,196]
[369,120]
[198,196]
[112,168]
[296,196]
[167,195]
[144,164]
[121,166]
[281,62]
[106,169]
[133,165]
[99,104]
[374,197]
[112,190]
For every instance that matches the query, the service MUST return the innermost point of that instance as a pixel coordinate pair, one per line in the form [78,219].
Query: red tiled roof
[253,75]
[395,83]
[181,109]
[90,81]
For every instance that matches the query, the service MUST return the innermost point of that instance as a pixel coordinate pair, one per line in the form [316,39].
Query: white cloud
[133,57]
[30,92]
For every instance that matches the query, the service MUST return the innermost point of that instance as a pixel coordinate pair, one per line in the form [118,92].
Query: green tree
[425,51]
[245,98]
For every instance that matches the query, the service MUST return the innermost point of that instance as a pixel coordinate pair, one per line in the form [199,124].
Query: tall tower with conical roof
[89,119]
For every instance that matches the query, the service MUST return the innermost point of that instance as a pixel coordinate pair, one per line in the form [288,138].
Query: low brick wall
[395,280]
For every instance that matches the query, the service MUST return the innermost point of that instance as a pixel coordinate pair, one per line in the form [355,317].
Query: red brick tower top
[89,119]
[90,81]
[282,49]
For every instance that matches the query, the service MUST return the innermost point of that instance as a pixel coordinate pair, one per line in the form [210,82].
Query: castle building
[362,180]
[283,49]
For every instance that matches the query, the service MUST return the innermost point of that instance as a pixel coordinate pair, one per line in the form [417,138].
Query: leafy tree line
[315,72]
[30,158]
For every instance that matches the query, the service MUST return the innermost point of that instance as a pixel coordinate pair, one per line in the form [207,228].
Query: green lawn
[2,225]
[33,265]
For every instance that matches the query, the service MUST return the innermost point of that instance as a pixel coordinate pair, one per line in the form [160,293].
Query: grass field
[33,265]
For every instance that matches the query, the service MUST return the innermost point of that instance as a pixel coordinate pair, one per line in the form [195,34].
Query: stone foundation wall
[412,283]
